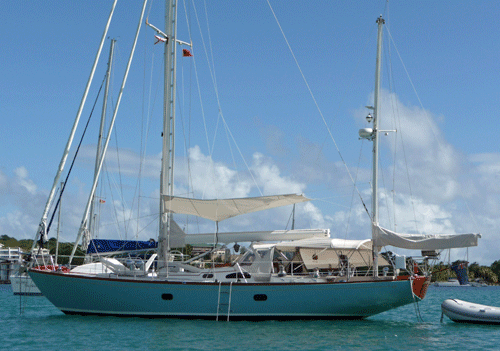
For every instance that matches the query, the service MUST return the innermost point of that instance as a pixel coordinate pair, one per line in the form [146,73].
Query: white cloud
[21,203]
[209,179]
[420,150]
[24,181]
[3,181]
[270,179]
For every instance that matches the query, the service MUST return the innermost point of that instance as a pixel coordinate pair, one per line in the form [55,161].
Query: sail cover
[274,235]
[107,245]
[176,237]
[220,209]
[327,243]
[385,237]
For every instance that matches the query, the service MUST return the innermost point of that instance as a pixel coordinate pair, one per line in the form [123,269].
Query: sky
[270,103]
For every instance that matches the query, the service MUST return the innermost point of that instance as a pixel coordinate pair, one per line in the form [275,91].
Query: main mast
[376,111]
[168,149]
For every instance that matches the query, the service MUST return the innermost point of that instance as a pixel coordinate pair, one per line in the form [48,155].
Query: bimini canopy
[326,243]
[384,237]
[319,243]
[220,209]
[328,253]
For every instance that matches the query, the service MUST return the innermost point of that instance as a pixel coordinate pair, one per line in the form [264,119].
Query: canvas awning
[384,237]
[220,209]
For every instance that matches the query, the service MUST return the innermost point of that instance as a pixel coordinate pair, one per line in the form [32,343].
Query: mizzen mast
[376,111]
[372,134]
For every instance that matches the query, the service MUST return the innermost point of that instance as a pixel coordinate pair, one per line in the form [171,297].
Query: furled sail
[220,209]
[109,245]
[176,237]
[274,235]
[385,237]
[328,243]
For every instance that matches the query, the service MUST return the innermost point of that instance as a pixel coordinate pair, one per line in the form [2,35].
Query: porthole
[260,297]
[167,296]
[209,275]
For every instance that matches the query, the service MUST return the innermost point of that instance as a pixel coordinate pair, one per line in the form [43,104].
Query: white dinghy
[468,312]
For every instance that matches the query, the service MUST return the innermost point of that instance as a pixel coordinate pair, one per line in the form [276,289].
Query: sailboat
[284,274]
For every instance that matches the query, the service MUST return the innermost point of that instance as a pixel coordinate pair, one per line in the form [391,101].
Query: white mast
[168,149]
[42,228]
[376,111]
[58,227]
[84,224]
[101,132]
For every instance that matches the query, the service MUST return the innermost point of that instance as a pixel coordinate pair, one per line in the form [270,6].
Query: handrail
[243,274]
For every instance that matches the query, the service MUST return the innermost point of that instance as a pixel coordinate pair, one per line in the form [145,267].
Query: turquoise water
[29,323]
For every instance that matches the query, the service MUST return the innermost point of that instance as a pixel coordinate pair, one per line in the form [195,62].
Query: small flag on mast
[101,201]
[186,53]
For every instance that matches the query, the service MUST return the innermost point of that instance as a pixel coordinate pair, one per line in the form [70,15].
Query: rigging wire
[117,222]
[413,86]
[352,196]
[120,180]
[111,179]
[187,138]
[214,82]
[73,161]
[386,197]
[196,74]
[395,125]
[226,127]
[190,175]
[146,117]
[193,65]
[317,106]
[400,129]
[144,136]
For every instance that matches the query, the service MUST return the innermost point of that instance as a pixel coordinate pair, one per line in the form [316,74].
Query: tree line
[63,252]
[488,274]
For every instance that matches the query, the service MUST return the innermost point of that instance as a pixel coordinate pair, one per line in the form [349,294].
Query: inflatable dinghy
[468,312]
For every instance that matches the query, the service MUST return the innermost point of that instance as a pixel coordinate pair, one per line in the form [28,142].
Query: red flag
[186,53]
[101,201]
